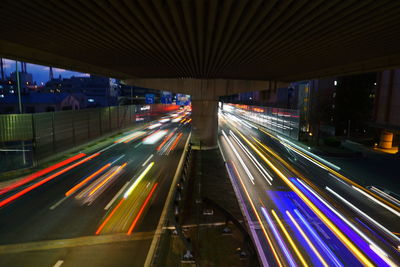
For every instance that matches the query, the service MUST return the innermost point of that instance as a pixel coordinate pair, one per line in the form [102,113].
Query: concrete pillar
[204,124]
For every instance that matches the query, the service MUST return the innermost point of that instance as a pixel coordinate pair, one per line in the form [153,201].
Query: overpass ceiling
[258,40]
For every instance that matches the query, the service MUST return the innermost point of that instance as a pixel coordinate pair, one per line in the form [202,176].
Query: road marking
[136,146]
[74,242]
[58,263]
[120,157]
[115,197]
[147,160]
[106,148]
[58,203]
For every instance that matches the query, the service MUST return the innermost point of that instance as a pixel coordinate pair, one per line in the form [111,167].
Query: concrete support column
[204,124]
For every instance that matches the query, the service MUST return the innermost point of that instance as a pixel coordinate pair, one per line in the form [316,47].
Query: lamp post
[20,108]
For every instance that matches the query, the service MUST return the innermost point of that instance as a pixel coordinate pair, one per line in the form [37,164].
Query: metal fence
[29,138]
[279,120]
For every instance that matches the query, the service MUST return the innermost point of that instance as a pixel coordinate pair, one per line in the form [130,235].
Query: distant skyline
[40,73]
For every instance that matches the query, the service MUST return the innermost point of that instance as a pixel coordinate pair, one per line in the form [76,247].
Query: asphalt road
[99,210]
[302,210]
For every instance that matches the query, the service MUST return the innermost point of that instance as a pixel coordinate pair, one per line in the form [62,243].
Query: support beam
[210,87]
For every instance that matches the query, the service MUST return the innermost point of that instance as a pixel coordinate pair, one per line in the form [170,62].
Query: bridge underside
[254,40]
[212,46]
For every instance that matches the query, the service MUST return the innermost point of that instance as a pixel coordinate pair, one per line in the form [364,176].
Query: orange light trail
[76,187]
[30,188]
[108,178]
[165,140]
[141,210]
[258,218]
[176,142]
[109,217]
[35,175]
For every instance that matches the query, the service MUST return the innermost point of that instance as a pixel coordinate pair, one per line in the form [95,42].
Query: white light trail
[363,214]
[351,225]
[260,168]
[239,158]
[376,201]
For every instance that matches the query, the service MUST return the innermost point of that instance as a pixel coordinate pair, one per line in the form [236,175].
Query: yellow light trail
[259,219]
[295,248]
[314,249]
[335,172]
[108,178]
[360,256]
[141,176]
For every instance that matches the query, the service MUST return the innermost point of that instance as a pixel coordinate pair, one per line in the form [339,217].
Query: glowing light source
[137,181]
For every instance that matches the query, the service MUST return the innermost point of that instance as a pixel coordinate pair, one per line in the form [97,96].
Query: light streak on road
[312,155]
[153,126]
[291,242]
[130,137]
[377,201]
[137,181]
[79,185]
[155,137]
[165,140]
[109,216]
[258,165]
[106,179]
[175,142]
[40,173]
[278,237]
[332,171]
[319,240]
[51,177]
[356,252]
[385,195]
[364,214]
[371,243]
[272,247]
[307,239]
[147,160]
[239,158]
[141,210]
[116,196]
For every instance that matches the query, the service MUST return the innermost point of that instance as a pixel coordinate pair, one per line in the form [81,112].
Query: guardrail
[171,210]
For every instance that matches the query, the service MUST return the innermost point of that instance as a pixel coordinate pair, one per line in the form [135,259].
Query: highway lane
[74,202]
[296,220]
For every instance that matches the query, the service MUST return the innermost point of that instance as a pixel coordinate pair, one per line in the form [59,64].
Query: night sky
[40,73]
